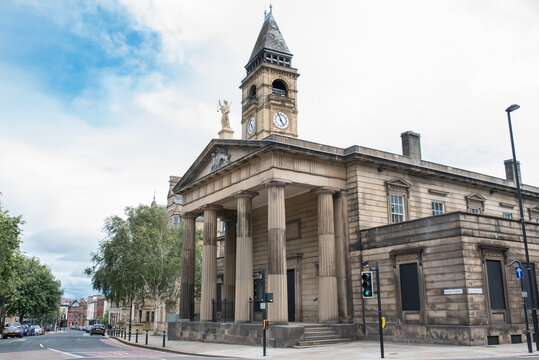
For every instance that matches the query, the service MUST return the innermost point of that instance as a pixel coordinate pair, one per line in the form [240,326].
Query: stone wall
[450,251]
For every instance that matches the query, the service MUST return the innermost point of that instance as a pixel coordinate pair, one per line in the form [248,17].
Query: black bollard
[163,338]
[136,336]
[146,337]
[129,335]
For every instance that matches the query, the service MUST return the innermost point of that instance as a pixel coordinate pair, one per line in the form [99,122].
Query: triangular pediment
[476,197]
[218,156]
[399,182]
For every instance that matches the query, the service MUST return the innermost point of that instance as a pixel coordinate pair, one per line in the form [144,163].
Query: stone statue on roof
[225,110]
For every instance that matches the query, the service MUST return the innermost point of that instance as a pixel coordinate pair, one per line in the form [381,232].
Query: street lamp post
[522,223]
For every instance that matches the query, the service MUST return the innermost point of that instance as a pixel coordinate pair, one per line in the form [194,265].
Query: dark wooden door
[291,287]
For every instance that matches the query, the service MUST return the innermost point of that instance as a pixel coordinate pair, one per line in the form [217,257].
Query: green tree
[37,293]
[115,269]
[139,259]
[10,260]
[159,253]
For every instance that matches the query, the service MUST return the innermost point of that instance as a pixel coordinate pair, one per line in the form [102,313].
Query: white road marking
[41,345]
[66,353]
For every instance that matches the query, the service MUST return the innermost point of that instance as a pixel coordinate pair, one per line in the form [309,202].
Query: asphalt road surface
[75,344]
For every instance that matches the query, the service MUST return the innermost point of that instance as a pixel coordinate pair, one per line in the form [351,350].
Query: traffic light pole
[380,328]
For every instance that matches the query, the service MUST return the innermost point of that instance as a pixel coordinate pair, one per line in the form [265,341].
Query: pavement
[352,350]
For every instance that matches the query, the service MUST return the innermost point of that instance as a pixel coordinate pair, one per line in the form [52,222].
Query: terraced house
[309,215]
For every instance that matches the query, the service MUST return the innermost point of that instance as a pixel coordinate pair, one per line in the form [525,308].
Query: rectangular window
[153,316]
[140,316]
[397,208]
[176,221]
[474,210]
[495,285]
[534,219]
[409,287]
[147,316]
[507,215]
[438,208]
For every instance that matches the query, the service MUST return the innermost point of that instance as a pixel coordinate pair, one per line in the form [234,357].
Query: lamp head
[512,108]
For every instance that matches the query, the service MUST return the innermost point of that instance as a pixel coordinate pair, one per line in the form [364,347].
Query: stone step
[316,332]
[305,344]
[321,337]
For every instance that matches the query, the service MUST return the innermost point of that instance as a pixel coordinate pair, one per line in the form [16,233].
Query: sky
[102,100]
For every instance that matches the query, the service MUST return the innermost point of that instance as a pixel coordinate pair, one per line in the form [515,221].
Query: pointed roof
[270,38]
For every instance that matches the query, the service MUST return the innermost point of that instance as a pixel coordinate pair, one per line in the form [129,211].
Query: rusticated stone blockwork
[452,255]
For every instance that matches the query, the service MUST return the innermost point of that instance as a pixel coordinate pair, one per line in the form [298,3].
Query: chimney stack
[411,145]
[510,170]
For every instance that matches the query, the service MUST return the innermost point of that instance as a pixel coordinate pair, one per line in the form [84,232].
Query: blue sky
[101,101]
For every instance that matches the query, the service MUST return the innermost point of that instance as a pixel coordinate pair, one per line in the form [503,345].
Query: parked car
[98,329]
[37,329]
[12,329]
[88,328]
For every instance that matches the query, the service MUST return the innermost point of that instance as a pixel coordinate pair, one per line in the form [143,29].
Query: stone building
[310,215]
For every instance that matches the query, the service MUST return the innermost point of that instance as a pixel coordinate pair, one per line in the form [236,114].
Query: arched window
[252,92]
[278,88]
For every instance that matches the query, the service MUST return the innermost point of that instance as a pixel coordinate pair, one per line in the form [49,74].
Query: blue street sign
[519,272]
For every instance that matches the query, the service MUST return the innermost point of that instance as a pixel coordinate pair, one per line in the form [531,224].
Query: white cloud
[369,71]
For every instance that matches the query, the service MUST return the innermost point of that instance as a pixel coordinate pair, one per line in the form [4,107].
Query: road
[75,344]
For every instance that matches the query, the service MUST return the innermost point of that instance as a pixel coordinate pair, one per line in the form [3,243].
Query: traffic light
[366,284]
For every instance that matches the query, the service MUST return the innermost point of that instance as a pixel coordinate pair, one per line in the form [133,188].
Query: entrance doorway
[291,289]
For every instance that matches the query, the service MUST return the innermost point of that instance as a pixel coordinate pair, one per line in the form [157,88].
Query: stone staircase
[316,335]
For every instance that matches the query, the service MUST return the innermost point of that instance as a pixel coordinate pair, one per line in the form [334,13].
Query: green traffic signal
[366,284]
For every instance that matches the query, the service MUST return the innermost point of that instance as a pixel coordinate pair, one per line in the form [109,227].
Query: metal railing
[222,310]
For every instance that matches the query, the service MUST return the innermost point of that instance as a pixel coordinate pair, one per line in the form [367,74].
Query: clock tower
[269,91]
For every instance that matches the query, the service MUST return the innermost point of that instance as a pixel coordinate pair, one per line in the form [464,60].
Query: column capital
[325,190]
[211,207]
[188,215]
[276,182]
[244,193]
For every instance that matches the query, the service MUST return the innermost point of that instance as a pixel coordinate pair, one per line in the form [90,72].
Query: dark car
[98,329]
[12,329]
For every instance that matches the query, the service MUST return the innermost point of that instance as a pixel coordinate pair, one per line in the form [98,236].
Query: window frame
[507,215]
[398,187]
[475,204]
[438,211]
[396,216]
[534,214]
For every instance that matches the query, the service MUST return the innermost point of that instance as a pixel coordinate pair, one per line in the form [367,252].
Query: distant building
[64,308]
[83,312]
[73,314]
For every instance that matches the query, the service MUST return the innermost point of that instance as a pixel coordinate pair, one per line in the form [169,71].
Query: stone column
[276,277]
[340,218]
[327,279]
[209,264]
[244,256]
[229,282]
[187,293]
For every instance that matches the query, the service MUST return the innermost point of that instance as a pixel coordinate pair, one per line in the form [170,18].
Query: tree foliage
[10,259]
[37,293]
[27,287]
[140,257]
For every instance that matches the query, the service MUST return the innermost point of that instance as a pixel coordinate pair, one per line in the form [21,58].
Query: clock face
[251,126]
[281,120]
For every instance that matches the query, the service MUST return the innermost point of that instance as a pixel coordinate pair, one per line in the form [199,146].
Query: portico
[258,199]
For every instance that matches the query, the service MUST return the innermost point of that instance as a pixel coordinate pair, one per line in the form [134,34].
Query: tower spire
[270,45]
